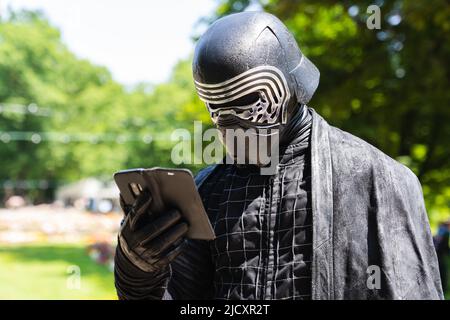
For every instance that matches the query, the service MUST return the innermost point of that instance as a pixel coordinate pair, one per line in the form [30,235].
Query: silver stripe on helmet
[268,81]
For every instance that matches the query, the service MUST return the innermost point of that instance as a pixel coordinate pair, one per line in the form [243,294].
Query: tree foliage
[63,119]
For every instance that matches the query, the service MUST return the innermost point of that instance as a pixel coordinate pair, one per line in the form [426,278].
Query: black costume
[335,206]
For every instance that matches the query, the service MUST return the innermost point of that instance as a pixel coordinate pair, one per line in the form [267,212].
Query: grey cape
[371,235]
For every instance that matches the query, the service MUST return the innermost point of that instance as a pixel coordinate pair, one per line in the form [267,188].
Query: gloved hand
[151,241]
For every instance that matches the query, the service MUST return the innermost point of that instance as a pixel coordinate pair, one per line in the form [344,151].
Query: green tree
[46,93]
[63,119]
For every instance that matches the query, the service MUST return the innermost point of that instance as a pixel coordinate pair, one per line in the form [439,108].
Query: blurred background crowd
[89,88]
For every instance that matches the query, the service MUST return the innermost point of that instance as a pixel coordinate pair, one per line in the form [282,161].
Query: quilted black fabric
[263,226]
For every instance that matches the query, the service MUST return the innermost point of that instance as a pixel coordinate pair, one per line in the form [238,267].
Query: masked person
[337,219]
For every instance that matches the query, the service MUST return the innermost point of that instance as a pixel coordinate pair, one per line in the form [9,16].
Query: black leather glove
[151,241]
[148,242]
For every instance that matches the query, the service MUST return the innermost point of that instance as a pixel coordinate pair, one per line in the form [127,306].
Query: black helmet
[248,65]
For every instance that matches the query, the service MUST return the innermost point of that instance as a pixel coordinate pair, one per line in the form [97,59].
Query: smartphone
[169,188]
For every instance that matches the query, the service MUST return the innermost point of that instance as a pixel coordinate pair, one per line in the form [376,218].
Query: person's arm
[408,257]
[192,273]
[189,276]
[187,271]
[147,244]
[134,284]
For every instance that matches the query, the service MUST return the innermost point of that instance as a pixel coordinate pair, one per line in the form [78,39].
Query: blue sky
[137,40]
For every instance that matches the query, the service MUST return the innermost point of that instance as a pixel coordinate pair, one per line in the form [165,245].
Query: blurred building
[90,194]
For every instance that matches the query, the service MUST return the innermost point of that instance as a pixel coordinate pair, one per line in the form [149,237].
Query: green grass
[41,272]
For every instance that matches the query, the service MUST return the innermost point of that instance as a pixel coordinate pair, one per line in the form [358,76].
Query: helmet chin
[233,122]
[248,144]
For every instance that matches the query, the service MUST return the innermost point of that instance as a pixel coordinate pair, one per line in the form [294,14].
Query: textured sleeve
[192,273]
[134,284]
[190,276]
[414,271]
[428,279]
